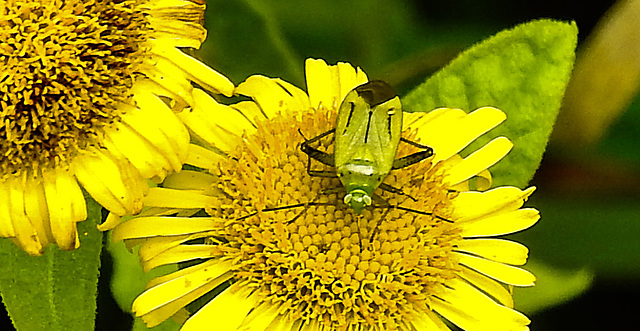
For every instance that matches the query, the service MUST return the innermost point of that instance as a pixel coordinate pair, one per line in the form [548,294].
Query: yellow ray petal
[123,140]
[202,157]
[347,78]
[175,32]
[259,318]
[501,223]
[431,120]
[6,226]
[300,97]
[189,180]
[498,271]
[228,309]
[181,253]
[197,71]
[144,85]
[225,117]
[429,322]
[113,183]
[163,7]
[283,323]
[157,124]
[154,226]
[489,286]
[483,180]
[111,222]
[178,84]
[474,205]
[252,111]
[177,22]
[321,91]
[499,250]
[179,36]
[162,301]
[269,94]
[225,131]
[471,310]
[36,210]
[26,236]
[152,246]
[66,207]
[480,160]
[180,273]
[169,198]
[162,293]
[448,131]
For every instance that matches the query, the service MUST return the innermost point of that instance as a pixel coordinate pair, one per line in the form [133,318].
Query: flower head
[87,90]
[284,250]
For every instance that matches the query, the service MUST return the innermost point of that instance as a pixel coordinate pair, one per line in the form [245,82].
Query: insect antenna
[306,206]
[385,204]
[421,212]
[375,230]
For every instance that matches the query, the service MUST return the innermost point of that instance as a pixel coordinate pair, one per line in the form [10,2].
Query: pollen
[66,69]
[304,250]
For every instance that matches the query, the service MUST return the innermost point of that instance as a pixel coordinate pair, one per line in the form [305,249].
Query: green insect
[367,135]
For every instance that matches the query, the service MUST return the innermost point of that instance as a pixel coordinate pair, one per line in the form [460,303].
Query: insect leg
[413,143]
[320,156]
[383,204]
[320,173]
[395,190]
[316,154]
[416,157]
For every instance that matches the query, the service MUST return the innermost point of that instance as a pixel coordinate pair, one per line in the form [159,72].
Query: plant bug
[367,134]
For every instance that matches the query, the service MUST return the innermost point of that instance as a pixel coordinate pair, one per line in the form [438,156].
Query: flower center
[305,250]
[65,68]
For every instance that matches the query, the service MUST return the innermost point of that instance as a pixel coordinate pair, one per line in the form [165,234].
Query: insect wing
[368,127]
[350,129]
[384,134]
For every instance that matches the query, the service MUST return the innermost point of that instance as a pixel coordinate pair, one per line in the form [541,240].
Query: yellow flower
[87,89]
[317,265]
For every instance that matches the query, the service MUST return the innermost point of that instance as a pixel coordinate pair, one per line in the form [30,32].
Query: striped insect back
[366,139]
[367,135]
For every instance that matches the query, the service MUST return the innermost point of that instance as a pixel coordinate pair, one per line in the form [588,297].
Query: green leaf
[56,291]
[553,287]
[524,72]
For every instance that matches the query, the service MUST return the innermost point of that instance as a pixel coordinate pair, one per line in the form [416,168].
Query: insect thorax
[360,178]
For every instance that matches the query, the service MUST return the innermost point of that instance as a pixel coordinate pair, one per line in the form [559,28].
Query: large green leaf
[56,291]
[524,72]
